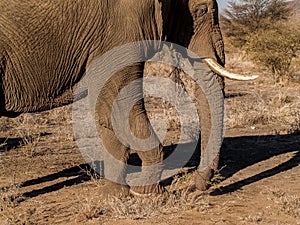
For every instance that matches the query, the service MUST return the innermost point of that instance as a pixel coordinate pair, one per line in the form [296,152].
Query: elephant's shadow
[7,144]
[10,143]
[237,153]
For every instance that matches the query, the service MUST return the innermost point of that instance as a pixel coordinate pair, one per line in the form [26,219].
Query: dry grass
[180,197]
[288,203]
[295,127]
[280,109]
[260,102]
[10,198]
[295,70]
[252,218]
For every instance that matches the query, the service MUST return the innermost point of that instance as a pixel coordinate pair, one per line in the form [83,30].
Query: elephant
[47,46]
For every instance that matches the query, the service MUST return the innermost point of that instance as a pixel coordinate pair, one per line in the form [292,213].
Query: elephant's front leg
[124,127]
[114,163]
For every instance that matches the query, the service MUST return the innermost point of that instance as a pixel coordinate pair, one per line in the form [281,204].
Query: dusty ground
[44,179]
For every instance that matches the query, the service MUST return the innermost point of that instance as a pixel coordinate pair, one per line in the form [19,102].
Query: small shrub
[275,48]
[244,17]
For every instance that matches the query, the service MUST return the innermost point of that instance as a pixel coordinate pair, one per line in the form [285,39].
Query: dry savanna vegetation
[45,180]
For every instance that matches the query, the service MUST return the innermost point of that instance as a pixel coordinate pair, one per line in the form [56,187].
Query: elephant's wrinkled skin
[46,46]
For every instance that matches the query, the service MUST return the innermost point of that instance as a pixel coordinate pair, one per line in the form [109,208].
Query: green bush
[245,17]
[275,48]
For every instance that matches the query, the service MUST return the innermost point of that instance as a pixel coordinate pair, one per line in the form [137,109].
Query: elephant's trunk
[210,106]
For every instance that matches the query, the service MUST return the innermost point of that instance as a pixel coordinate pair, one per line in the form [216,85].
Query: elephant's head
[195,25]
[206,40]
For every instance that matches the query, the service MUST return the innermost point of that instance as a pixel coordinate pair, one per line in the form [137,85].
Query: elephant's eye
[201,10]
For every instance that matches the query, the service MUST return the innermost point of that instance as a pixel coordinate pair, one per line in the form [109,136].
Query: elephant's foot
[116,190]
[147,190]
[203,179]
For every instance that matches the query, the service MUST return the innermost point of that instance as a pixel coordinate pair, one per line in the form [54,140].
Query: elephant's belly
[15,106]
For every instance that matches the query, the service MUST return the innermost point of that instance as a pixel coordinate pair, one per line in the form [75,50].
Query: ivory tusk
[221,71]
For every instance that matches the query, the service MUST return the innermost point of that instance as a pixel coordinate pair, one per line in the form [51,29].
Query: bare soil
[45,180]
